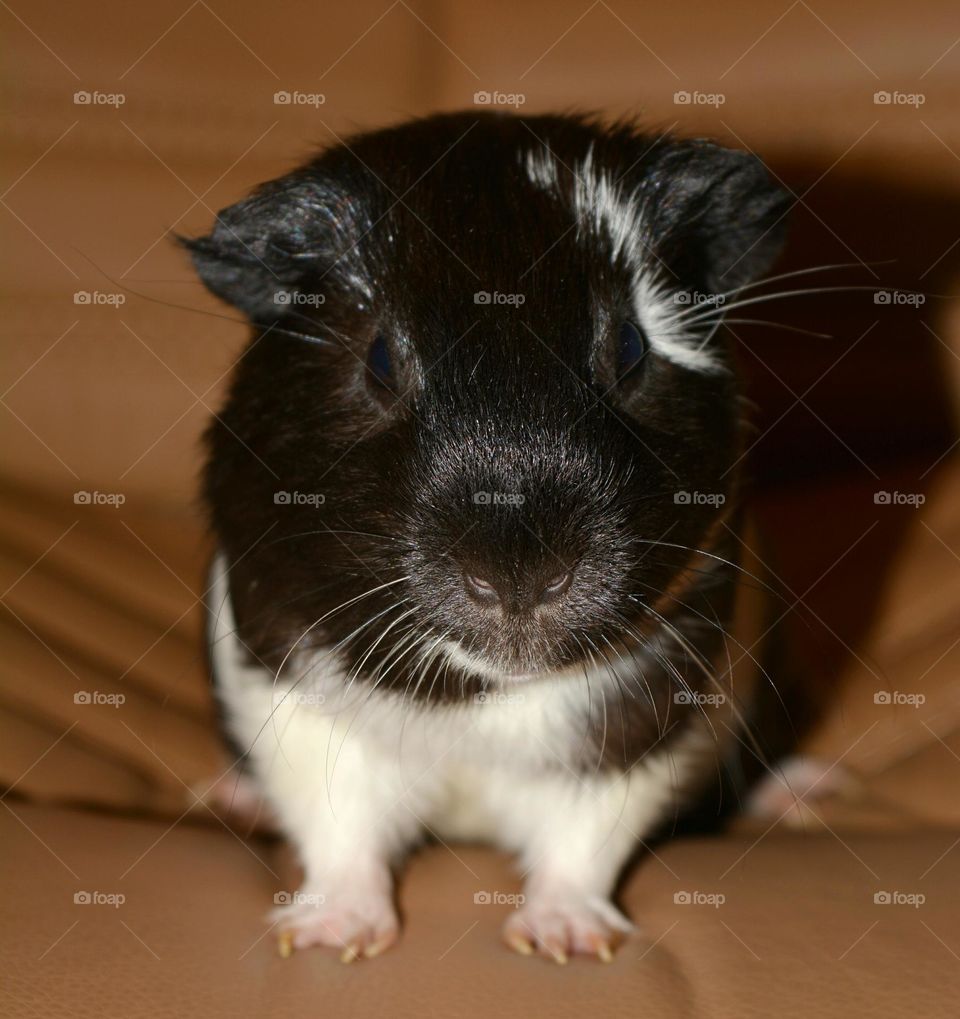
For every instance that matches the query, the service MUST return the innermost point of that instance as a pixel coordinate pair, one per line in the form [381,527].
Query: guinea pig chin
[485,669]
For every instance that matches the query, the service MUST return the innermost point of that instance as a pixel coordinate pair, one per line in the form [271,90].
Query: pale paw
[789,792]
[354,927]
[559,927]
[235,798]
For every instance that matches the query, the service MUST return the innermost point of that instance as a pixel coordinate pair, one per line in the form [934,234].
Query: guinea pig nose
[480,589]
[555,587]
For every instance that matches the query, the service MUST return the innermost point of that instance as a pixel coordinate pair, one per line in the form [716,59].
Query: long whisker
[777,325]
[271,718]
[709,675]
[327,615]
[710,555]
[720,310]
[271,327]
[790,275]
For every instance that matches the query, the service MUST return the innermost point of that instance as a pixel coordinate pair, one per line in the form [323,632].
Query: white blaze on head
[605,207]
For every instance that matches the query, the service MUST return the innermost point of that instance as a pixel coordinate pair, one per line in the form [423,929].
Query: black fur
[396,232]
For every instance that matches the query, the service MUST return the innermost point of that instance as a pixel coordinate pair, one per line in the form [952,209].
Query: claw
[350,952]
[372,951]
[285,944]
[559,955]
[519,944]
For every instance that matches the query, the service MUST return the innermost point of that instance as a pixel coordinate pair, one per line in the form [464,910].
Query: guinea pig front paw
[361,926]
[561,925]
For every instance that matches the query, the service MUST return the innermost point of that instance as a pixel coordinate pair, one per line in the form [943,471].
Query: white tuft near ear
[541,169]
[604,207]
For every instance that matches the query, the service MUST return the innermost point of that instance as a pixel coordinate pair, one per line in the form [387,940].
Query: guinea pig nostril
[480,589]
[556,586]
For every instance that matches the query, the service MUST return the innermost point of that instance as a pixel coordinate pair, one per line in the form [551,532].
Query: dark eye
[632,348]
[380,363]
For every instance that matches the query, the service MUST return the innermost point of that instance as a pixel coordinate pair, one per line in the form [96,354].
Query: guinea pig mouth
[483,668]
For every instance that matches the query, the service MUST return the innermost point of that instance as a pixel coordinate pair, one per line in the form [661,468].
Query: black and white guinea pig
[475,494]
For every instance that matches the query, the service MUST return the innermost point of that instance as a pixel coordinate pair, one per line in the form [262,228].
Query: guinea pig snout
[517,594]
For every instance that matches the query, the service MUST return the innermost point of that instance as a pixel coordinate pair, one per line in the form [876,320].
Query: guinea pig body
[476,494]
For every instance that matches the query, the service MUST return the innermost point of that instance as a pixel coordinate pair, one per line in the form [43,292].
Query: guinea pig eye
[632,347]
[380,363]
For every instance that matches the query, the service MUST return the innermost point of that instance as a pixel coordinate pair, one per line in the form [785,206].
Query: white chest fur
[492,768]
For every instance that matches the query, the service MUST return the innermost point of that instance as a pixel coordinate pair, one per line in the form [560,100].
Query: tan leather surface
[798,933]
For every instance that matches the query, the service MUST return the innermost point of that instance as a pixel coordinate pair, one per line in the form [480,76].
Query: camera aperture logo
[685,498]
[114,899]
[97,297]
[897,698]
[496,898]
[296,299]
[697,297]
[914,899]
[899,297]
[697,697]
[97,698]
[895,98]
[514,99]
[97,98]
[500,698]
[915,499]
[495,297]
[314,499]
[684,98]
[499,499]
[695,898]
[299,698]
[297,98]
[298,899]
[114,499]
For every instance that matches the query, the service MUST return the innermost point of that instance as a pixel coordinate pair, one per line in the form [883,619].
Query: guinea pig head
[488,413]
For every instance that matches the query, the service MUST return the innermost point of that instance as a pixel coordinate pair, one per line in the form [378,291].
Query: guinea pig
[476,493]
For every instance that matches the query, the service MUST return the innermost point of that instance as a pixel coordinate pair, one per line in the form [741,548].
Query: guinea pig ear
[262,248]
[719,217]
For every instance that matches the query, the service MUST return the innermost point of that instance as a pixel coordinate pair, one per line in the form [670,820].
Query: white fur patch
[356,777]
[606,207]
